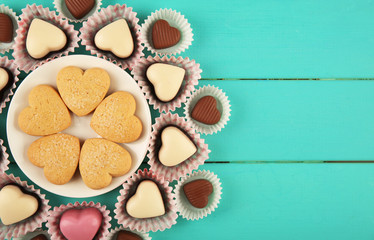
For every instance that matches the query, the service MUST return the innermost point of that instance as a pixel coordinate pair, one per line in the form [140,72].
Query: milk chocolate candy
[6,28]
[205,111]
[126,235]
[197,192]
[79,8]
[40,237]
[163,35]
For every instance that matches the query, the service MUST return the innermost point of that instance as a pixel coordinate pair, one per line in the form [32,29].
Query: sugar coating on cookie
[58,154]
[101,160]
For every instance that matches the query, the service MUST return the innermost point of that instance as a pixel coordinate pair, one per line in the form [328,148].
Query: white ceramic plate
[80,127]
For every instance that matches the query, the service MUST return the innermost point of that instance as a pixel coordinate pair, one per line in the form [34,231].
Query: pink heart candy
[80,224]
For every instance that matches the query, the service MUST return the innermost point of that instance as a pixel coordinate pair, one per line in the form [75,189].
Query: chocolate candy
[40,237]
[6,28]
[79,8]
[4,78]
[197,192]
[126,235]
[163,35]
[206,111]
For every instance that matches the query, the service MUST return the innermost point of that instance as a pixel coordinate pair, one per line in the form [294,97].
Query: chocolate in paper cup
[176,20]
[4,161]
[4,47]
[104,17]
[185,167]
[154,224]
[55,215]
[223,106]
[185,209]
[60,6]
[33,234]
[113,233]
[191,79]
[31,223]
[8,90]
[23,60]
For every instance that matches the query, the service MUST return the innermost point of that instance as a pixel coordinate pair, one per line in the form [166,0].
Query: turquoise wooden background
[280,156]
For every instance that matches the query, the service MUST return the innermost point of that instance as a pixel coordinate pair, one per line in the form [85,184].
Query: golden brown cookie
[47,113]
[100,160]
[82,90]
[58,154]
[114,118]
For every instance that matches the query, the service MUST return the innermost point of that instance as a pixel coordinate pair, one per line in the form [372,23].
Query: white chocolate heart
[146,202]
[115,37]
[176,147]
[4,78]
[166,79]
[43,38]
[15,205]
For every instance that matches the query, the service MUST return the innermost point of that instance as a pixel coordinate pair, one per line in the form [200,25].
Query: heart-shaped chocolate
[206,111]
[40,237]
[4,78]
[79,8]
[58,154]
[197,192]
[166,80]
[47,113]
[80,224]
[15,205]
[146,202]
[127,235]
[43,38]
[6,28]
[163,35]
[100,160]
[176,147]
[82,90]
[115,37]
[114,118]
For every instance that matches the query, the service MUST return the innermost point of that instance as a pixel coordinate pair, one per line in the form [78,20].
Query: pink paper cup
[105,17]
[31,223]
[148,224]
[55,215]
[8,90]
[191,79]
[185,167]
[4,161]
[23,60]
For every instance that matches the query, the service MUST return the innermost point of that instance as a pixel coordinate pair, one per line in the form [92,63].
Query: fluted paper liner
[105,17]
[62,9]
[55,215]
[176,20]
[4,161]
[191,79]
[8,91]
[23,60]
[35,233]
[185,167]
[4,47]
[31,223]
[154,224]
[223,105]
[113,232]
[185,209]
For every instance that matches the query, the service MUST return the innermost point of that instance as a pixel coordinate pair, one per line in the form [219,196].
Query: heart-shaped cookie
[176,147]
[82,91]
[4,78]
[47,113]
[166,80]
[197,192]
[80,224]
[58,154]
[15,205]
[43,38]
[101,160]
[206,111]
[6,28]
[146,202]
[79,8]
[115,37]
[163,35]
[114,118]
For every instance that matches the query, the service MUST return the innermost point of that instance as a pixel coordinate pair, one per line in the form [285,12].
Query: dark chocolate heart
[40,237]
[206,111]
[163,35]
[79,8]
[197,192]
[6,28]
[126,235]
